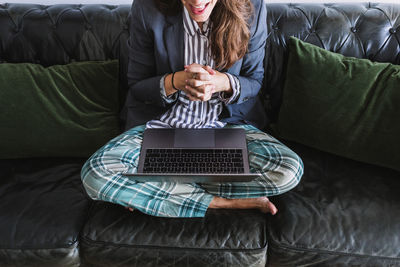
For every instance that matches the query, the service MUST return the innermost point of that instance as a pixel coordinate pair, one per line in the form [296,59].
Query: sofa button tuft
[392,31]
[353,29]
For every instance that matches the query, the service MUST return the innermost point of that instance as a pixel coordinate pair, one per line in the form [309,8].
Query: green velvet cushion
[60,111]
[343,105]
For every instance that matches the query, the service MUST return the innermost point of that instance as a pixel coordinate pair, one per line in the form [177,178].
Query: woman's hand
[204,81]
[198,82]
[180,82]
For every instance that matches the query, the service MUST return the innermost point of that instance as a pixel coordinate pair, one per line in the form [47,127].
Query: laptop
[193,155]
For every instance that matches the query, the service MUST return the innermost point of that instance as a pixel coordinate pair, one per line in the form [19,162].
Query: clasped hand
[201,82]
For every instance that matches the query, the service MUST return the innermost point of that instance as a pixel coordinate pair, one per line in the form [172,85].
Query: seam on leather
[276,245]
[74,245]
[91,242]
[88,212]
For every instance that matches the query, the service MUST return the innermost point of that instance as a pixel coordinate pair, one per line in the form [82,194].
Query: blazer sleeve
[252,69]
[143,81]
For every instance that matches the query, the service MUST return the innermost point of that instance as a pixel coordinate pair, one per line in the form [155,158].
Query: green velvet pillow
[343,105]
[60,111]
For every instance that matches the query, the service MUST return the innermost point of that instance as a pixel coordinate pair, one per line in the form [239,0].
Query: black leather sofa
[343,213]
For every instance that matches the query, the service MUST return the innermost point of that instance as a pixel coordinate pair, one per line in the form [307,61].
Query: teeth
[200,6]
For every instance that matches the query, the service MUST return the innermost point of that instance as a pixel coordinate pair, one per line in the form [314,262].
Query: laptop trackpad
[204,138]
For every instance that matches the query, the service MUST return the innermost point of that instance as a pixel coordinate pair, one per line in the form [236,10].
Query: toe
[272,208]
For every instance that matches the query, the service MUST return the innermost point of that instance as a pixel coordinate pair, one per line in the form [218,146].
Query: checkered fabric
[103,178]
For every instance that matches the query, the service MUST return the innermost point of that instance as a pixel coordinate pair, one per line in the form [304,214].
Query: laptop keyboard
[223,161]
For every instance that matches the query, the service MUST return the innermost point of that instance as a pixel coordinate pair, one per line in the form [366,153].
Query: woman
[194,64]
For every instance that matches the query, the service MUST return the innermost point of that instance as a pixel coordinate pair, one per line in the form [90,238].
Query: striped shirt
[195,114]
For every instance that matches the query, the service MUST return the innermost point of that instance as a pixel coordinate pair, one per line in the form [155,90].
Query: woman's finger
[202,93]
[191,97]
[196,68]
[210,70]
[195,83]
[193,92]
[203,76]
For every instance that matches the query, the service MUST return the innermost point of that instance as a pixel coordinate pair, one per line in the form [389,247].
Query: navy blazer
[156,47]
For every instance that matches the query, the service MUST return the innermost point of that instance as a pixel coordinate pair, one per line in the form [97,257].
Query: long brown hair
[230,32]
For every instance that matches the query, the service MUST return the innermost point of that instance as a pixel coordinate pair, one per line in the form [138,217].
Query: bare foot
[261,203]
[267,206]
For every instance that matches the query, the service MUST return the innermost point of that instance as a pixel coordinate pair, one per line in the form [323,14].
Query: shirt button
[204,62]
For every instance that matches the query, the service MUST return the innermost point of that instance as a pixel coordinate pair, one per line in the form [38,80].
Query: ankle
[220,203]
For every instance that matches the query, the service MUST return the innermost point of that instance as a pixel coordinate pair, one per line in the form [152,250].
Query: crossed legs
[103,179]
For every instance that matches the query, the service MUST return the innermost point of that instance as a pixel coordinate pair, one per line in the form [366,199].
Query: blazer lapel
[173,41]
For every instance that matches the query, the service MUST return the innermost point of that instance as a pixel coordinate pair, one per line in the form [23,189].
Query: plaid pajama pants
[103,178]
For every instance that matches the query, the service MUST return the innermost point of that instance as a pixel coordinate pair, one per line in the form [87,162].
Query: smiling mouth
[198,10]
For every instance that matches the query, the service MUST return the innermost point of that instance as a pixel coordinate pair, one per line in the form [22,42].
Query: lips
[198,10]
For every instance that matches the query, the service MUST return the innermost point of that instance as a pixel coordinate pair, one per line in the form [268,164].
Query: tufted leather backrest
[59,34]
[363,30]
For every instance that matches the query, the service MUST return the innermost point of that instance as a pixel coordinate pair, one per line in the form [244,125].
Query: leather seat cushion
[342,213]
[116,236]
[42,210]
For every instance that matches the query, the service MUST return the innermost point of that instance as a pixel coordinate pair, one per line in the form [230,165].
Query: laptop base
[192,178]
